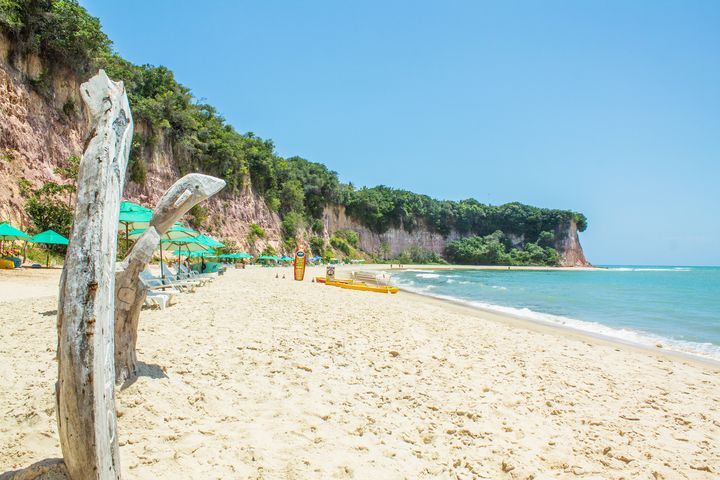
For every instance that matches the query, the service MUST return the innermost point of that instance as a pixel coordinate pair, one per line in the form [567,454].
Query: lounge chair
[158,299]
[157,283]
[177,278]
[187,274]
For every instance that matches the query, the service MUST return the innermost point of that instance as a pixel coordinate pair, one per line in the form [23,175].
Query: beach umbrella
[133,220]
[194,253]
[191,244]
[8,232]
[49,237]
[210,241]
[133,207]
[285,259]
[174,233]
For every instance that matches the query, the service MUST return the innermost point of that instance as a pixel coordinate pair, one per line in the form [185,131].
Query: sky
[610,108]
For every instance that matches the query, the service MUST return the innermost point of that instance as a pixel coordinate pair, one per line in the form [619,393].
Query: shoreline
[531,323]
[565,331]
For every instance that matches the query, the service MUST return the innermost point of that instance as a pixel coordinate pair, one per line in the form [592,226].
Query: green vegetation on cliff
[65,36]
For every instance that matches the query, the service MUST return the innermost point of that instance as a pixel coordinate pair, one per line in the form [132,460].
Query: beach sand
[263,378]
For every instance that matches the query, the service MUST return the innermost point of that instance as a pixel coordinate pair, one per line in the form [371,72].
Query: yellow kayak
[364,287]
[337,280]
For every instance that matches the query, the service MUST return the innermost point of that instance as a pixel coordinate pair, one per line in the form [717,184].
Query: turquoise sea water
[676,306]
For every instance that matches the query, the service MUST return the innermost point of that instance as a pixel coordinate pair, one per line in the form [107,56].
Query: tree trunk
[85,389]
[129,290]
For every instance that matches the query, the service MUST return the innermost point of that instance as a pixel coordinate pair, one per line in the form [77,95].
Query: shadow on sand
[48,469]
[143,370]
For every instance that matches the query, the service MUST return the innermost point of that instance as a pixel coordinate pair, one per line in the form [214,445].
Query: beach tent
[49,237]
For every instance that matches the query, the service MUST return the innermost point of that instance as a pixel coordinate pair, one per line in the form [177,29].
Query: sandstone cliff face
[395,240]
[392,242]
[35,134]
[38,132]
[568,244]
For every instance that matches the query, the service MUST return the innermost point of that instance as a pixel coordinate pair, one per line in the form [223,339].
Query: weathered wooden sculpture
[130,291]
[85,389]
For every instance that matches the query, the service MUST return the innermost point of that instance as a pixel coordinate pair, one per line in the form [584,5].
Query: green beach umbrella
[285,259]
[133,220]
[8,232]
[190,244]
[197,253]
[49,237]
[133,207]
[174,233]
[210,241]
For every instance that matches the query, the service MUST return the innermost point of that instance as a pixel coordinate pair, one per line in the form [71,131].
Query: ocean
[678,307]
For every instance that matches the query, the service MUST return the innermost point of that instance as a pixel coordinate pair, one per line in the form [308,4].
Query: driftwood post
[130,292]
[85,389]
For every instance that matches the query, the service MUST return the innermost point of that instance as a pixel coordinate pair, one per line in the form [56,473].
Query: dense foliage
[380,208]
[496,249]
[51,207]
[64,34]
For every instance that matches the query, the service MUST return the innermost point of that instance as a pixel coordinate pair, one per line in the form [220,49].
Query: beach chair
[157,283]
[172,277]
[158,295]
[157,299]
[187,274]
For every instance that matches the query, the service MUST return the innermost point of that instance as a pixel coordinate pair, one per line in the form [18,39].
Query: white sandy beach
[265,378]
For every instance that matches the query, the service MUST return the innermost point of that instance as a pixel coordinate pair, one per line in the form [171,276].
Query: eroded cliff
[395,240]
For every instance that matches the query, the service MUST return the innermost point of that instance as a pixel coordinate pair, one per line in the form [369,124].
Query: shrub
[198,216]
[350,236]
[317,246]
[257,231]
[341,244]
[292,222]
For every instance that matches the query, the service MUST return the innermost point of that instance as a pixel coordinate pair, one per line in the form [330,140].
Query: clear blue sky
[611,108]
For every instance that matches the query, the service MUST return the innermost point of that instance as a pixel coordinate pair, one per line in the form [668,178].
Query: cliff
[42,122]
[395,240]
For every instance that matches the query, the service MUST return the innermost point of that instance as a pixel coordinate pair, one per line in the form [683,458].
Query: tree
[292,197]
[51,206]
